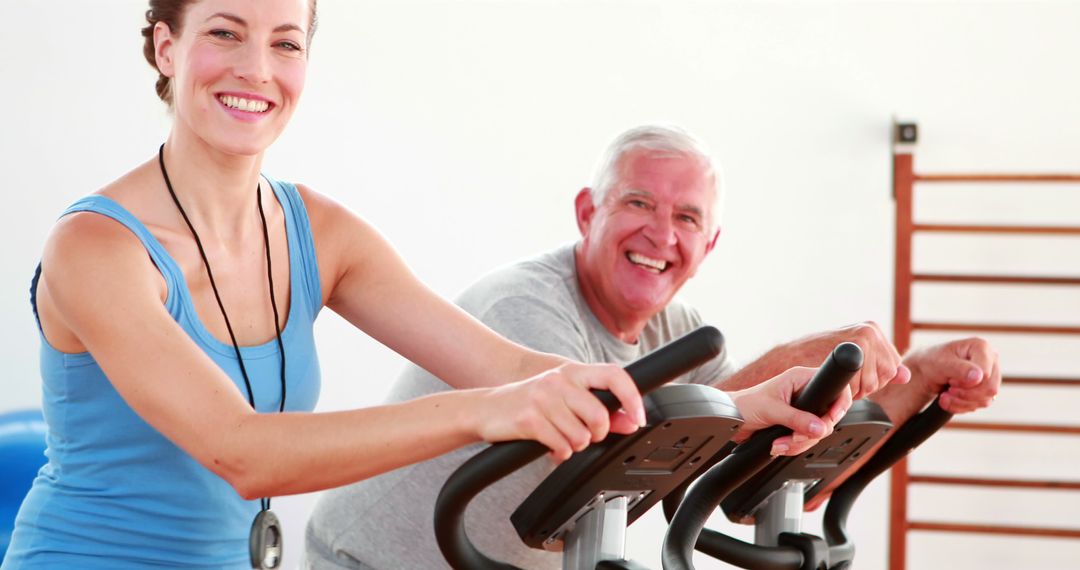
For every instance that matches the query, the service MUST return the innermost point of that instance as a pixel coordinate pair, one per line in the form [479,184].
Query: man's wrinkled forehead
[626,187]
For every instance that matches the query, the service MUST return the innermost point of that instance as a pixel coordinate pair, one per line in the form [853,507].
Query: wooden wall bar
[905,181]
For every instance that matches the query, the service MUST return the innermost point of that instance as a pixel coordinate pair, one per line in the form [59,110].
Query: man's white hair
[665,141]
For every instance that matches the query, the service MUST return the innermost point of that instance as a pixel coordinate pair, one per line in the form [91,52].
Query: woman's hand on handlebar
[557,409]
[769,403]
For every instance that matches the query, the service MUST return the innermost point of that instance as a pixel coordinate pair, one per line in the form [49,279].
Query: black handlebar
[907,437]
[747,459]
[717,483]
[487,467]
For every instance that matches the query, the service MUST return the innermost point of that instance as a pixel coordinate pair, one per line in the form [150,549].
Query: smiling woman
[170,13]
[175,307]
[213,67]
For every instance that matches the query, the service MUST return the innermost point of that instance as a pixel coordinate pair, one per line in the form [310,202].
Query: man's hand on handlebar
[557,409]
[882,365]
[964,372]
[769,403]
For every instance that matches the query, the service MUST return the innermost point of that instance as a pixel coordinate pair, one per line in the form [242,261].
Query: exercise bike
[754,488]
[584,506]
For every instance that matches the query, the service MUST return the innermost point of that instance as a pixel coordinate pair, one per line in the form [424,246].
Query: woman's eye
[223,34]
[291,46]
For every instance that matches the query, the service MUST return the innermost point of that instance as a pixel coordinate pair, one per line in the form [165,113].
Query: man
[647,223]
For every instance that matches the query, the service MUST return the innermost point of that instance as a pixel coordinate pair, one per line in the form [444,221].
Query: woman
[177,302]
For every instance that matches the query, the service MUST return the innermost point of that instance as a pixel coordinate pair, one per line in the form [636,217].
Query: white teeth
[241,104]
[647,262]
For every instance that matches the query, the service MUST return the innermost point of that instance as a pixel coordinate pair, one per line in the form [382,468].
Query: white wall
[463,129]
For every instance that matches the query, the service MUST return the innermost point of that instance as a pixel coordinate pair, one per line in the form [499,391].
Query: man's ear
[712,242]
[584,209]
[163,44]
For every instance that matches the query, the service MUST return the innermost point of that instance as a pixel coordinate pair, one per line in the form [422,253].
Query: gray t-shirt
[387,521]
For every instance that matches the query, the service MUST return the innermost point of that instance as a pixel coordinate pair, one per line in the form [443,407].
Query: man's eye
[686,219]
[638,203]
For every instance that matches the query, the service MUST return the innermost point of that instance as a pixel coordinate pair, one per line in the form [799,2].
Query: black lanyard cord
[265,502]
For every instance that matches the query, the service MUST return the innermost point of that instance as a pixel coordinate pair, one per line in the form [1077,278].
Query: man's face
[649,235]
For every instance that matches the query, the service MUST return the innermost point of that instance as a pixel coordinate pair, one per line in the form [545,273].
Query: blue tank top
[115,493]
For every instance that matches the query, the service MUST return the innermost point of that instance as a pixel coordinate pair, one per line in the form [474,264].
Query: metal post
[598,535]
[781,512]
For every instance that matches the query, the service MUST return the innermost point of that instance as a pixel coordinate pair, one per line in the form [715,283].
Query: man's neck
[625,327]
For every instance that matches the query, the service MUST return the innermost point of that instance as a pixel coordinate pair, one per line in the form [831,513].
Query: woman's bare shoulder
[85,246]
[89,242]
[331,218]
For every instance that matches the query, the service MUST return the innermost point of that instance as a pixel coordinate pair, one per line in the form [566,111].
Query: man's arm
[881,362]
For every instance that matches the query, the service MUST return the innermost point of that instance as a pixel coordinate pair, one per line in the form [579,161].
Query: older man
[647,223]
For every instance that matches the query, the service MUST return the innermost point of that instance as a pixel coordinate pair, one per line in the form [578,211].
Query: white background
[463,129]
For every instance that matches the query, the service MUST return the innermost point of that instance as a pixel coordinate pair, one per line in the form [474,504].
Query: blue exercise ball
[22,453]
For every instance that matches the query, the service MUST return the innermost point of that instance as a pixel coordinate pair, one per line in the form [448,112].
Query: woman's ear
[163,44]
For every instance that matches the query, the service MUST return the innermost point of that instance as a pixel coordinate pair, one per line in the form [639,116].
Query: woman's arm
[367,283]
[107,294]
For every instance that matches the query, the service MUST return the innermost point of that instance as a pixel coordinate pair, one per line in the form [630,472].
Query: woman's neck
[217,190]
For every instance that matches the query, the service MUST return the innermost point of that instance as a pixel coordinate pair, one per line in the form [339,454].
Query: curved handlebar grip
[906,438]
[485,468]
[831,379]
[686,528]
[668,362]
[816,397]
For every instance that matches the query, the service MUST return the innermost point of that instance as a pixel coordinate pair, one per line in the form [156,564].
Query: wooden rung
[1008,279]
[987,327]
[1023,428]
[1041,381]
[986,482]
[997,177]
[995,529]
[997,229]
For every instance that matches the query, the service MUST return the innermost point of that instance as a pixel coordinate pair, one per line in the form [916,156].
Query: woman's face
[237,69]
